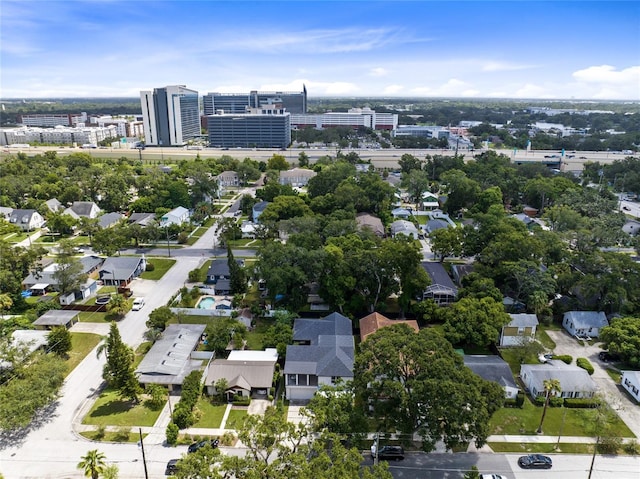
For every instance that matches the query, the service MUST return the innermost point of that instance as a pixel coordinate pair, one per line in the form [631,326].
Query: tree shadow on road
[17,437]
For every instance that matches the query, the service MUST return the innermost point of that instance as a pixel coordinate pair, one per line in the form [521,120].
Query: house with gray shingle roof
[54,205]
[441,290]
[170,360]
[403,227]
[493,368]
[108,220]
[323,352]
[121,270]
[142,219]
[248,373]
[522,327]
[575,382]
[26,220]
[83,209]
[584,323]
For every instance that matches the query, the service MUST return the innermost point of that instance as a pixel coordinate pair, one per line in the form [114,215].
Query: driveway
[258,406]
[616,397]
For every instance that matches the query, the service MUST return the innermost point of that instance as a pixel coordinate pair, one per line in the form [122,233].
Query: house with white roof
[575,382]
[521,328]
[631,382]
[584,323]
[296,176]
[176,216]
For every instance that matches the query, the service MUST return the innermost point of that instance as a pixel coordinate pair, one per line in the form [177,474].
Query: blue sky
[515,49]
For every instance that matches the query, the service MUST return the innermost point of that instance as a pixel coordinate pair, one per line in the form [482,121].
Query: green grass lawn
[541,448]
[210,414]
[576,422]
[161,265]
[235,418]
[244,243]
[81,345]
[113,436]
[110,410]
[255,337]
[545,340]
[510,357]
[140,352]
[92,317]
[614,375]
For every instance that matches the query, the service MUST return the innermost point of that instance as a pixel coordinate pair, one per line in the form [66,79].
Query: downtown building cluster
[241,120]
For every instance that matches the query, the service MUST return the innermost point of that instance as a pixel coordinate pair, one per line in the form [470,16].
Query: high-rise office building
[238,103]
[171,115]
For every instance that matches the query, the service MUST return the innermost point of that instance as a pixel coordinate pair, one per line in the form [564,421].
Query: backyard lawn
[573,422]
[211,415]
[235,418]
[255,337]
[110,410]
[92,317]
[81,345]
[161,267]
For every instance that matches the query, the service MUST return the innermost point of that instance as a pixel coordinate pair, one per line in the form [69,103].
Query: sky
[516,49]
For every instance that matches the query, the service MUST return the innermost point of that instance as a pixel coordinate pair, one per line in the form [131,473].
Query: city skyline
[102,48]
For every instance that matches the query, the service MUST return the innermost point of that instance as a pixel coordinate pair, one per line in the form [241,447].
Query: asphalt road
[383,158]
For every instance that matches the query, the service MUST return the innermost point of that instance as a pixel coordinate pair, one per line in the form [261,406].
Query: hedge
[554,401]
[585,364]
[565,358]
[581,403]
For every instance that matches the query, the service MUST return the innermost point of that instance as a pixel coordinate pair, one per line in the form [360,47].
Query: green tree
[118,370]
[69,272]
[223,331]
[622,337]
[447,242]
[462,191]
[473,473]
[159,317]
[408,163]
[475,321]
[417,383]
[118,306]
[238,278]
[61,223]
[551,387]
[280,334]
[303,159]
[59,341]
[5,304]
[277,162]
[93,464]
[416,182]
[284,208]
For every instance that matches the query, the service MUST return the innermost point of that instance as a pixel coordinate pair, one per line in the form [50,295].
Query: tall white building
[171,115]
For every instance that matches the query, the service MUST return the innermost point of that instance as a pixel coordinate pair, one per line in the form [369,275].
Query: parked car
[172,467]
[389,452]
[138,303]
[535,461]
[199,445]
[606,356]
[626,208]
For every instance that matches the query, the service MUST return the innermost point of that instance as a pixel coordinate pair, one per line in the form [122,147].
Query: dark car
[172,467]
[606,356]
[390,452]
[199,445]
[535,461]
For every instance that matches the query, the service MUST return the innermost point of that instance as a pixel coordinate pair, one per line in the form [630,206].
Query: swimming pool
[206,302]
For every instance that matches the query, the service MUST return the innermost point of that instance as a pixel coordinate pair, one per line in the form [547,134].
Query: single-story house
[584,323]
[46,279]
[29,339]
[403,227]
[176,216]
[374,321]
[170,360]
[228,178]
[248,373]
[631,382]
[459,271]
[441,290]
[248,229]
[493,368]
[54,205]
[108,220]
[435,225]
[83,209]
[575,382]
[258,208]
[367,220]
[323,353]
[26,220]
[219,269]
[57,317]
[430,201]
[522,327]
[296,176]
[142,219]
[121,270]
[401,213]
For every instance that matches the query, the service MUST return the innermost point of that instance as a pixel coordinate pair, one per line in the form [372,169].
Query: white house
[522,327]
[631,382]
[83,209]
[176,216]
[26,220]
[575,382]
[296,176]
[403,227]
[584,323]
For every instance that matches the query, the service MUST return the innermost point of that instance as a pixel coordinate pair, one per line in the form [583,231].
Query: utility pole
[168,245]
[144,459]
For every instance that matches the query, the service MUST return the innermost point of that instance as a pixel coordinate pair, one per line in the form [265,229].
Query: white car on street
[138,303]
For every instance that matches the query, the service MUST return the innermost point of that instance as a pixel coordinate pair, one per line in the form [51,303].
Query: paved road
[380,158]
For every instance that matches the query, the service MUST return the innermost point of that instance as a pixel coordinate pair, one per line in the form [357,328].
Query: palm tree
[550,386]
[92,463]
[118,305]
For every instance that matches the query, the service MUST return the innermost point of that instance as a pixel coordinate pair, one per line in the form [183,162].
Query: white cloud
[392,89]
[608,74]
[498,66]
[453,88]
[530,90]
[378,72]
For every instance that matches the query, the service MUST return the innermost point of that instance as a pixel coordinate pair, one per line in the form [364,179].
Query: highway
[383,158]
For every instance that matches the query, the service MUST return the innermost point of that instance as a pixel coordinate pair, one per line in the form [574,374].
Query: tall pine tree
[238,278]
[118,371]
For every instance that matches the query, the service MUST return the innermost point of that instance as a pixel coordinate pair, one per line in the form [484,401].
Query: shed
[57,317]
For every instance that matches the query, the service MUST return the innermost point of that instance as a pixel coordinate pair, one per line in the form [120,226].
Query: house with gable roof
[374,321]
[441,290]
[176,216]
[83,209]
[493,368]
[584,323]
[575,382]
[323,352]
[26,220]
[522,327]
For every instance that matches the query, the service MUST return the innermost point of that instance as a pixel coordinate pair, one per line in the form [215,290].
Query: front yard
[210,414]
[81,345]
[110,410]
[160,265]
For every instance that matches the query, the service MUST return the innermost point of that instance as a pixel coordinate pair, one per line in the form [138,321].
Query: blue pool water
[206,303]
